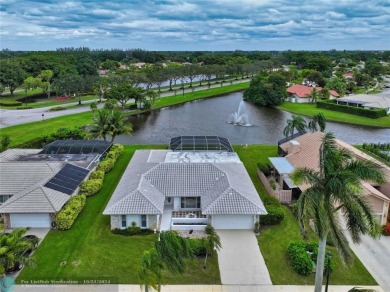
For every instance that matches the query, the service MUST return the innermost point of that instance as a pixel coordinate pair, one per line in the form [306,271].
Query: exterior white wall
[176,203]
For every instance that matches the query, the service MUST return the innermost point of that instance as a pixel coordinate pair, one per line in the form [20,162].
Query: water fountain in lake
[240,117]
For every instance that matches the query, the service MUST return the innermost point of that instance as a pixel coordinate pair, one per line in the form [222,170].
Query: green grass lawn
[274,241]
[310,109]
[101,254]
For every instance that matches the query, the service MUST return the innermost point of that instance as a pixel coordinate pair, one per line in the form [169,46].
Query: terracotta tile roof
[304,91]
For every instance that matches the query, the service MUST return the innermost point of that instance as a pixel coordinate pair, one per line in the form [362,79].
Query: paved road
[16,117]
[240,260]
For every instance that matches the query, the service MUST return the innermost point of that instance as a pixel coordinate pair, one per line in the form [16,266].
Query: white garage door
[30,220]
[233,221]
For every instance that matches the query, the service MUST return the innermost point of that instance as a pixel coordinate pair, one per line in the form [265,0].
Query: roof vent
[293,147]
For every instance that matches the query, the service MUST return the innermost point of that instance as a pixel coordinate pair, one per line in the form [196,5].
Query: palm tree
[169,253]
[102,125]
[12,250]
[295,123]
[212,242]
[93,107]
[318,119]
[336,187]
[119,124]
[313,95]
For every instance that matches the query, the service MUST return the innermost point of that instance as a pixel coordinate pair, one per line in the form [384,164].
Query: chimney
[293,147]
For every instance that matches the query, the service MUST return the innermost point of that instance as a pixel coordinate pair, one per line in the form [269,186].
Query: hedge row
[10,103]
[331,105]
[275,212]
[66,217]
[91,187]
[134,230]
[302,256]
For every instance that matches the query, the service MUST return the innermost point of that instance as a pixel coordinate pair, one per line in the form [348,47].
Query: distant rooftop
[200,143]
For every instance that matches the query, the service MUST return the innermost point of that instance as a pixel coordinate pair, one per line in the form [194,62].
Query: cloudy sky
[196,25]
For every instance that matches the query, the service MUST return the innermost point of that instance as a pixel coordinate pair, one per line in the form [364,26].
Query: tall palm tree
[119,124]
[169,253]
[12,250]
[313,95]
[318,119]
[295,123]
[212,242]
[336,187]
[102,125]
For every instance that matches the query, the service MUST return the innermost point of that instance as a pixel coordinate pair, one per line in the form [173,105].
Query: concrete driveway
[240,259]
[375,255]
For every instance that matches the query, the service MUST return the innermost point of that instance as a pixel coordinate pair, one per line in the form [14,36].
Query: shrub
[264,168]
[300,259]
[10,103]
[91,187]
[272,183]
[275,215]
[386,229]
[294,209]
[57,108]
[115,151]
[198,246]
[66,217]
[271,201]
[130,231]
[331,105]
[209,229]
[97,174]
[106,165]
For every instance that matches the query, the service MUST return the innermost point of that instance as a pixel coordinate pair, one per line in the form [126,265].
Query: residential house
[303,151]
[36,183]
[301,93]
[185,189]
[368,101]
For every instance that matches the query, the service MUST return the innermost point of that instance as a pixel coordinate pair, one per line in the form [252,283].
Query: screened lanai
[76,147]
[200,143]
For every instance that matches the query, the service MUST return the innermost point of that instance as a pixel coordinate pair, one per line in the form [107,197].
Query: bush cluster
[10,103]
[275,215]
[66,217]
[133,230]
[386,229]
[381,150]
[302,256]
[97,174]
[264,168]
[106,165]
[331,105]
[57,108]
[198,246]
[91,187]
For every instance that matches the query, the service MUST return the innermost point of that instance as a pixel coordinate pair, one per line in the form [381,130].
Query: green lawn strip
[101,254]
[310,109]
[20,93]
[47,102]
[26,132]
[274,241]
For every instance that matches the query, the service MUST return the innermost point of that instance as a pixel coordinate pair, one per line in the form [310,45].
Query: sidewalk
[185,288]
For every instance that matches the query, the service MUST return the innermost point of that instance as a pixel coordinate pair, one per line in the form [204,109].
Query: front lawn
[274,241]
[92,252]
[310,109]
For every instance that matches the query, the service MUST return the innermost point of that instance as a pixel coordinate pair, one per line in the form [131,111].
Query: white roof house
[189,188]
[373,101]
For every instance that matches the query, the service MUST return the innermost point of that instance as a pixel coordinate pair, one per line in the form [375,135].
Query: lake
[210,116]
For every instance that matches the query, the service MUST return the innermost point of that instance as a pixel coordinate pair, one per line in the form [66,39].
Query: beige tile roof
[308,153]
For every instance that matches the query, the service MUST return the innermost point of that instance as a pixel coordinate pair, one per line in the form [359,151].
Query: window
[190,203]
[143,221]
[124,225]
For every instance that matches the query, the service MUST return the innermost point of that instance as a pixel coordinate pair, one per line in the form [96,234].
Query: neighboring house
[36,183]
[185,189]
[301,93]
[368,101]
[303,151]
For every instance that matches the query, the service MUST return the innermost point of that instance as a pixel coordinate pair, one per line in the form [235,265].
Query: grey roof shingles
[225,188]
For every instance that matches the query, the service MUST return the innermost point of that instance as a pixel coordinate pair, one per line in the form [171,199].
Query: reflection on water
[210,116]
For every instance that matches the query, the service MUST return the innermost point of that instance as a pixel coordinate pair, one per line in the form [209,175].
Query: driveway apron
[240,259]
